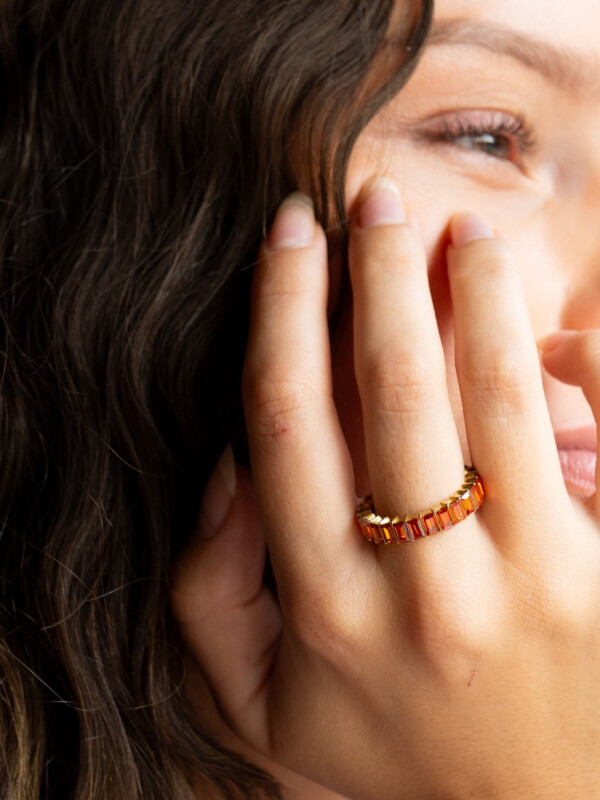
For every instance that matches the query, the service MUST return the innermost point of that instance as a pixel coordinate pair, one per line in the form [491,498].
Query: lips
[577,453]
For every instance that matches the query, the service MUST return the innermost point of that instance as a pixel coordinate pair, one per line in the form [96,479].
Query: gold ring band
[395,530]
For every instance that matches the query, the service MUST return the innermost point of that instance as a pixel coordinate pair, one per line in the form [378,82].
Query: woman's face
[501,117]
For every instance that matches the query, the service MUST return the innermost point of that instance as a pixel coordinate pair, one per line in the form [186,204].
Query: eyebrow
[564,67]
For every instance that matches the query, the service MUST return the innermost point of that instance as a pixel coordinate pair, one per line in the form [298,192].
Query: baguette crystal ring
[394,530]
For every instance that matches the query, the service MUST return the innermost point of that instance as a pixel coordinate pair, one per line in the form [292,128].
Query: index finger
[300,463]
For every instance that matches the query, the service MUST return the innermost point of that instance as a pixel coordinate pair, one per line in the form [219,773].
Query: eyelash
[515,131]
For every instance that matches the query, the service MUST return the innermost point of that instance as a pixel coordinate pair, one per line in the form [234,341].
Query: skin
[464,665]
[544,202]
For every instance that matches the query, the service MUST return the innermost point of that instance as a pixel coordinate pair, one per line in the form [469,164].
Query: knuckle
[533,605]
[399,385]
[276,405]
[502,384]
[322,627]
[390,249]
[283,284]
[329,623]
[449,631]
[494,261]
[287,274]
[549,604]
[590,348]
[195,594]
[448,650]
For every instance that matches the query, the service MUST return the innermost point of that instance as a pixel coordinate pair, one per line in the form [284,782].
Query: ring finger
[508,425]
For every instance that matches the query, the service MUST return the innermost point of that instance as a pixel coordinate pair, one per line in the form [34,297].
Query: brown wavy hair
[144,145]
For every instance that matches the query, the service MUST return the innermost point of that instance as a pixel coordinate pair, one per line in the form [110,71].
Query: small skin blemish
[279,429]
[470,681]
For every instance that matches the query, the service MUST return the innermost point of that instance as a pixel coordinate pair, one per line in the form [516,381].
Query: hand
[464,665]
[227,571]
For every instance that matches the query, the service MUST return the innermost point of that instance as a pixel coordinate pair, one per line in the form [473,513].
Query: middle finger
[413,449]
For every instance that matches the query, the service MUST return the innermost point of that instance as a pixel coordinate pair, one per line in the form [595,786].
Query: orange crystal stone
[401,532]
[457,512]
[373,532]
[477,495]
[415,528]
[445,520]
[430,523]
[467,502]
[387,533]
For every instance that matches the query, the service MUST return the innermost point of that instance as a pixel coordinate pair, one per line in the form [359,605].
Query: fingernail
[294,224]
[467,228]
[382,205]
[218,495]
[554,340]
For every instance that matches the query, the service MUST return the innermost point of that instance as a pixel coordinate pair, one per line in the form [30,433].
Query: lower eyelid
[475,164]
[518,162]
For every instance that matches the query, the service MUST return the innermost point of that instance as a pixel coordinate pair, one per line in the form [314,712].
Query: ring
[386,530]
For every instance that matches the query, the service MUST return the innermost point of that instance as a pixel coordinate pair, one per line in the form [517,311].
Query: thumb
[573,357]
[229,620]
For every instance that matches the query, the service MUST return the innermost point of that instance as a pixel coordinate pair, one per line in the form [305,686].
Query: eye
[496,134]
[493,144]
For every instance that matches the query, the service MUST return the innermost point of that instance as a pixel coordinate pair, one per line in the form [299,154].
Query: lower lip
[579,471]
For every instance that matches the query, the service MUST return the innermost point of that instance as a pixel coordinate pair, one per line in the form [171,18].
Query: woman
[135,136]
[464,665]
[143,144]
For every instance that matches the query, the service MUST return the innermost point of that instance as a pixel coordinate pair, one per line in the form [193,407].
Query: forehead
[573,23]
[558,39]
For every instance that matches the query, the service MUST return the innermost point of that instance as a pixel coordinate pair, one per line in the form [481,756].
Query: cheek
[433,193]
[432,197]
